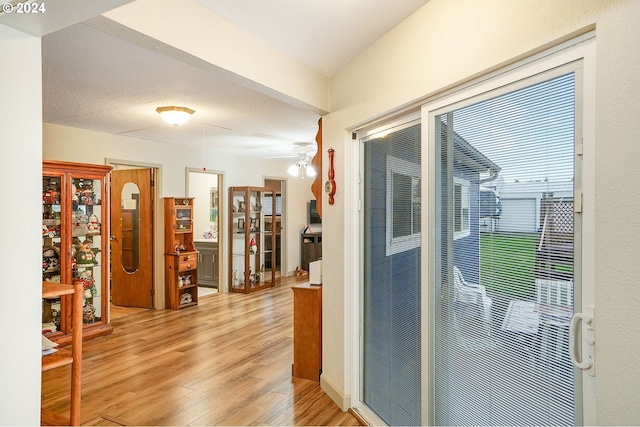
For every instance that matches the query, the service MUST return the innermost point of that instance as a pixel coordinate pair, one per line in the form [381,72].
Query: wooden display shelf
[64,357]
[180,254]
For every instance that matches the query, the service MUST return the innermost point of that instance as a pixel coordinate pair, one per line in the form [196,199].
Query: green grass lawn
[507,263]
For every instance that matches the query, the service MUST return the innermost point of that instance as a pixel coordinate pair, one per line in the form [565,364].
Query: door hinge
[577,201]
[153,292]
[579,149]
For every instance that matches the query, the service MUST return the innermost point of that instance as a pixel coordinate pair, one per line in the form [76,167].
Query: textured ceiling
[95,80]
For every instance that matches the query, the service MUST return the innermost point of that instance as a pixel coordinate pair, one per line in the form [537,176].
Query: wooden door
[131,238]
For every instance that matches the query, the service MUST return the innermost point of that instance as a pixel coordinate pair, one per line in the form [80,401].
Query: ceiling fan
[303,151]
[300,151]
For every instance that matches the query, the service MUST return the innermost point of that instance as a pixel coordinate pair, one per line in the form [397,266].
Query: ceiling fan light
[310,171]
[175,115]
[294,170]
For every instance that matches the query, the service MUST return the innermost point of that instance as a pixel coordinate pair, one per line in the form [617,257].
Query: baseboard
[342,400]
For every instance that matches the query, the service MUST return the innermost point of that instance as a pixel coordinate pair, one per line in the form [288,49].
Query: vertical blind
[504,258]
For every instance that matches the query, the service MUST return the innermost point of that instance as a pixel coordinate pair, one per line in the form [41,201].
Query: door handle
[113,237]
[588,361]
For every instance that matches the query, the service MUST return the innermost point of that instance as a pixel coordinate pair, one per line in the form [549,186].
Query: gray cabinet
[207,263]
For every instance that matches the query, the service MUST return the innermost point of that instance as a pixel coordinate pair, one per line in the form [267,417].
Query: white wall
[80,145]
[21,175]
[451,41]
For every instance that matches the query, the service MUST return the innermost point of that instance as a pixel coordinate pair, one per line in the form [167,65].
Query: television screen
[312,214]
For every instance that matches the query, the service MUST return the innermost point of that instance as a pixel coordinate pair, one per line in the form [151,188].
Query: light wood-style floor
[226,361]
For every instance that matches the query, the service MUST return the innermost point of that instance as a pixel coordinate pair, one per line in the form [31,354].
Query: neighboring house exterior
[469,164]
[521,205]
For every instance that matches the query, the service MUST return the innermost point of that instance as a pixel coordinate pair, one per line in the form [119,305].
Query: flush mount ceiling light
[175,115]
[302,168]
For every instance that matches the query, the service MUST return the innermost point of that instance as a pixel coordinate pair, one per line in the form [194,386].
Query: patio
[508,370]
[512,367]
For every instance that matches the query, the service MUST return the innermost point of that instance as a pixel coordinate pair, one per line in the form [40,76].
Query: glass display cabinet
[251,260]
[75,246]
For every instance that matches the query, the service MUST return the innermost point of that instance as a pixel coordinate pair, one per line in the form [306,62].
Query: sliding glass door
[505,258]
[390,347]
[476,273]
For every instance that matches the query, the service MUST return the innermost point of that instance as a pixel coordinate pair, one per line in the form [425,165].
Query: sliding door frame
[380,128]
[577,55]
[579,49]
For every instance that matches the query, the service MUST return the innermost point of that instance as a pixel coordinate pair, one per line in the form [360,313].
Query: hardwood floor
[120,311]
[226,361]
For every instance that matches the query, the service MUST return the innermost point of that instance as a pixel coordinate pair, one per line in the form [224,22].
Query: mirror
[203,187]
[130,217]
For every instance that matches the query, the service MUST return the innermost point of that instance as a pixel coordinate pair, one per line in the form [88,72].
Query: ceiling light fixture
[302,168]
[175,115]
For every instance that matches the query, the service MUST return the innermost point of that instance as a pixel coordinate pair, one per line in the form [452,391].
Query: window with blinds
[504,258]
[391,371]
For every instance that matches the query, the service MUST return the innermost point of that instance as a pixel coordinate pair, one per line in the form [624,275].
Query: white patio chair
[472,295]
[554,329]
[554,292]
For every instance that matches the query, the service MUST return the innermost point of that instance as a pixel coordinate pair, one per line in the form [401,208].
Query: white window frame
[395,245]
[465,199]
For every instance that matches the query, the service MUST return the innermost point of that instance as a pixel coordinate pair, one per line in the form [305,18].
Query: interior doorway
[131,238]
[205,187]
[278,187]
[133,261]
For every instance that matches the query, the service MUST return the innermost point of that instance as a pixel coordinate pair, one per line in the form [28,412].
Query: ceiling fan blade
[282,157]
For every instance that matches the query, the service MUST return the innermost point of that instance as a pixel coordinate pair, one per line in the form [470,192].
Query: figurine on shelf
[79,222]
[253,248]
[86,196]
[88,313]
[88,283]
[85,254]
[185,298]
[50,194]
[254,277]
[93,228]
[235,277]
[48,230]
[50,264]
[242,206]
[50,260]
[53,279]
[74,193]
[55,314]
